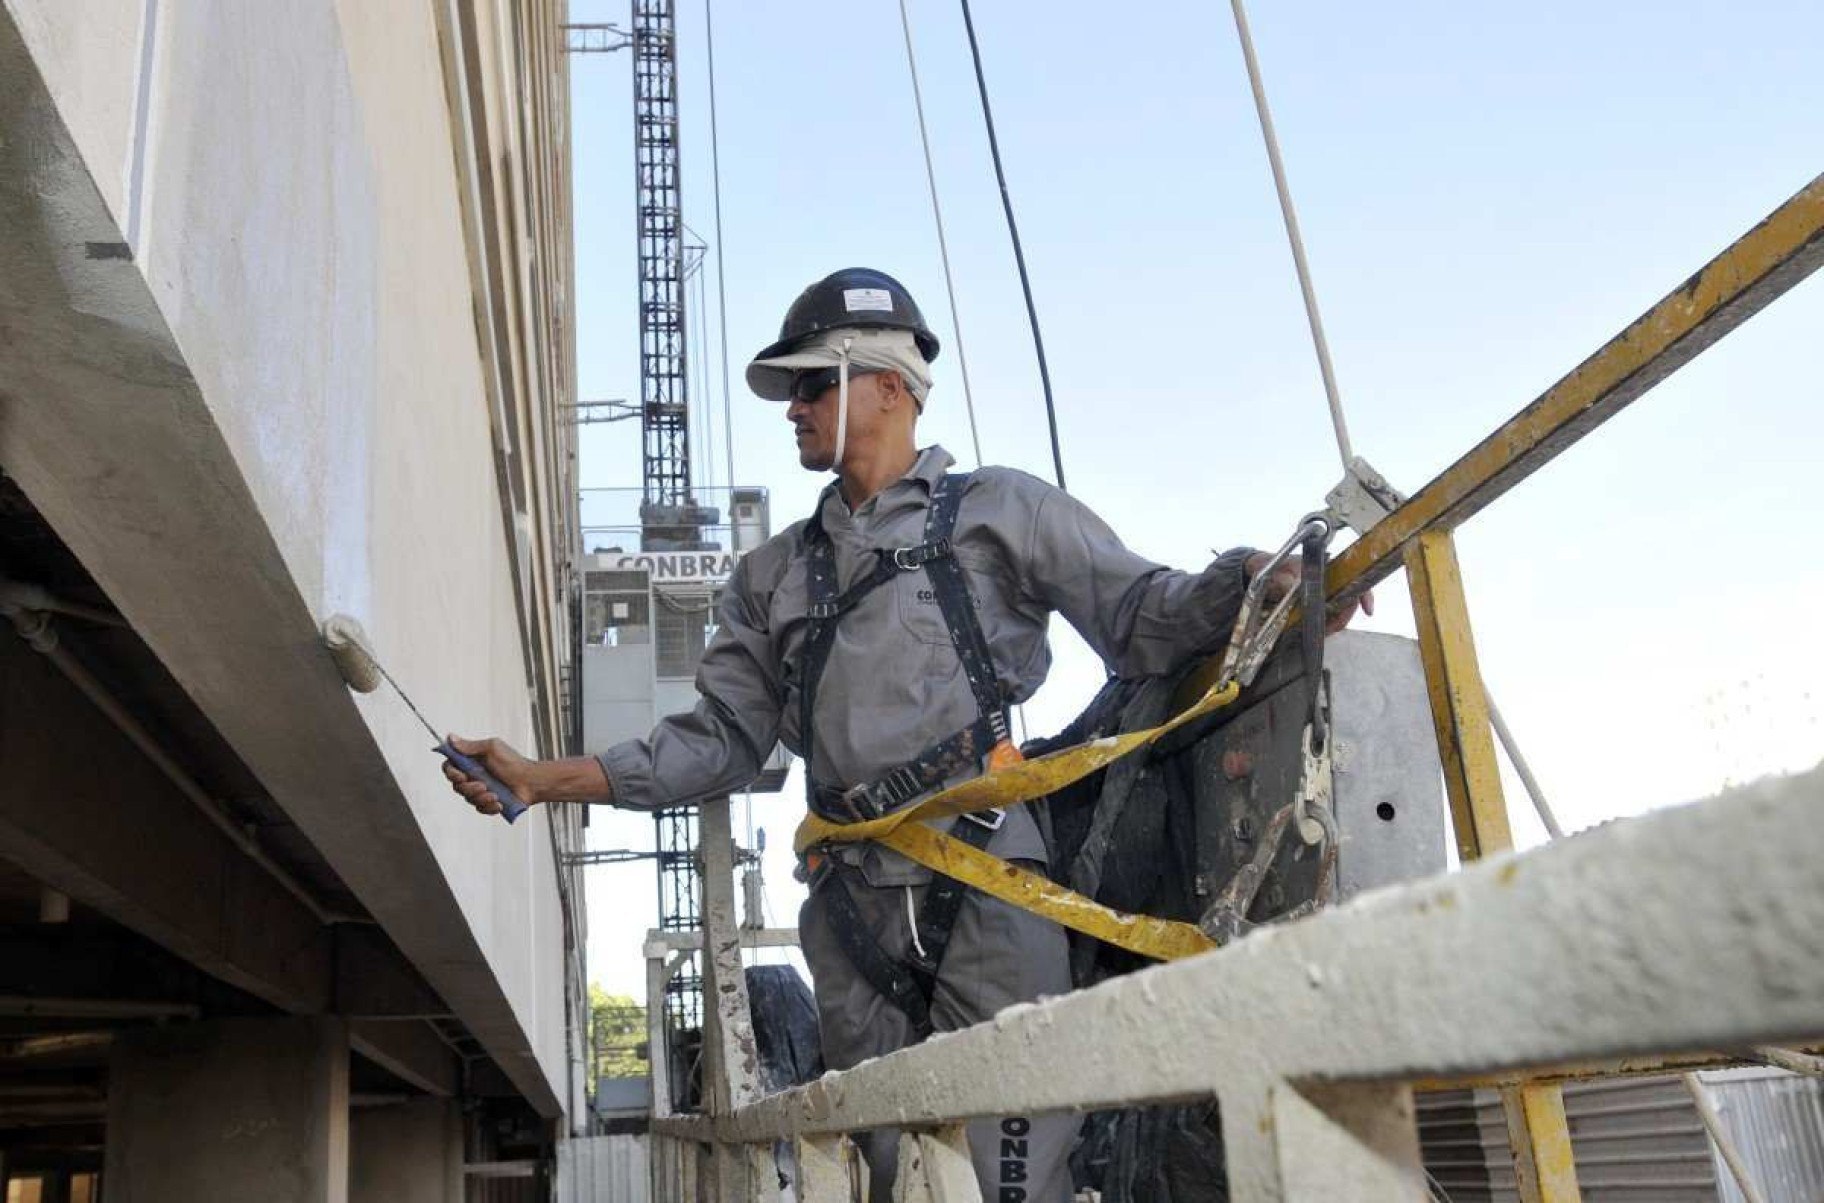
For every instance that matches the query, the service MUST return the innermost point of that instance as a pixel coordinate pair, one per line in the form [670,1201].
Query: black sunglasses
[808,386]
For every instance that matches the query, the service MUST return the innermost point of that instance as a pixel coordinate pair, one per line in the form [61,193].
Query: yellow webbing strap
[904,832]
[1161,939]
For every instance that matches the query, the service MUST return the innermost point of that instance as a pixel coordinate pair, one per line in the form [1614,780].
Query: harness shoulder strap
[957,604]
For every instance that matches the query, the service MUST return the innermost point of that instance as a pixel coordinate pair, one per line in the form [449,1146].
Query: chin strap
[842,406]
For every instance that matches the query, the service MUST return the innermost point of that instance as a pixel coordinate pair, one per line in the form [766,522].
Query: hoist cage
[1678,939]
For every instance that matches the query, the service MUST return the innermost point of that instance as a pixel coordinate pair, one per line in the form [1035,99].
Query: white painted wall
[285,174]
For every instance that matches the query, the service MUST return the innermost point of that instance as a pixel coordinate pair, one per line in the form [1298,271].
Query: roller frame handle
[510,805]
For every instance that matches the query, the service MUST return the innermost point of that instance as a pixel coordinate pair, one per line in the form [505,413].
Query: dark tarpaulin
[785,1027]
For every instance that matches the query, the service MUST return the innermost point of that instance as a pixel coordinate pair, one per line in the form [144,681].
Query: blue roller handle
[510,805]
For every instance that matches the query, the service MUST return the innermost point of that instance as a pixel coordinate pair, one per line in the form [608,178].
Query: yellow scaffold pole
[1536,1125]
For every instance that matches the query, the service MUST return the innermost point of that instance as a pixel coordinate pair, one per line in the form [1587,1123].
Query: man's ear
[894,393]
[890,388]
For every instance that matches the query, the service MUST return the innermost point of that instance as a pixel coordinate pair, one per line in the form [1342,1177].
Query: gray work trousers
[998,955]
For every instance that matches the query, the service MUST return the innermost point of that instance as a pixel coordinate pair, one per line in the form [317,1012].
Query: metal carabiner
[1257,629]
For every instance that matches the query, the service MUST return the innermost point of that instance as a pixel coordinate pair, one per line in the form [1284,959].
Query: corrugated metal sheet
[1639,1140]
[503,1190]
[603,1169]
[1452,1143]
[1776,1122]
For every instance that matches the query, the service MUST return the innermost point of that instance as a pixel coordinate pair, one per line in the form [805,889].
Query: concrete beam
[85,813]
[60,960]
[64,820]
[373,982]
[410,1051]
[106,428]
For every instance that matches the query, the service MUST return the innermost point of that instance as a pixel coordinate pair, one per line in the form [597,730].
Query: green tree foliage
[617,1034]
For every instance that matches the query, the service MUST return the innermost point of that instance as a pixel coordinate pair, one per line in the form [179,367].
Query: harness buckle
[872,799]
[819,611]
[991,819]
[997,726]
[909,559]
[860,801]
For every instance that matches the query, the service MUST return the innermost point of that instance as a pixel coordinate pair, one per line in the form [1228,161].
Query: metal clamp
[1256,628]
[1362,498]
[1227,920]
[1316,791]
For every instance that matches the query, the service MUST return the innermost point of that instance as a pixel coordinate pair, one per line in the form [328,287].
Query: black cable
[1019,254]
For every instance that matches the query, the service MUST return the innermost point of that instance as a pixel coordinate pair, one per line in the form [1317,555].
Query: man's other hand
[509,768]
[1285,579]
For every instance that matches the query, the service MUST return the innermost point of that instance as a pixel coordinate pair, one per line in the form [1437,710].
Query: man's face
[812,413]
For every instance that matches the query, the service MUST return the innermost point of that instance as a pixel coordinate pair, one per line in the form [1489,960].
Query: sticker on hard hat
[864,300]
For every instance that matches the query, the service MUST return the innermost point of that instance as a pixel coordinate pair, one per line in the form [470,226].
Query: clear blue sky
[1488,193]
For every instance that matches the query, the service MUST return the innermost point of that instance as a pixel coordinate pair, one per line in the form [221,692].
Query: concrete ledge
[1695,928]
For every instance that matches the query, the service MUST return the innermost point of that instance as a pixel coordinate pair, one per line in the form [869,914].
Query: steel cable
[1019,253]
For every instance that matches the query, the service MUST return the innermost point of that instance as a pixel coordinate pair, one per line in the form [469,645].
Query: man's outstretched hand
[572,779]
[1285,579]
[498,757]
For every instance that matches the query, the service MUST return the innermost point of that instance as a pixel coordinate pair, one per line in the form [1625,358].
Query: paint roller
[355,660]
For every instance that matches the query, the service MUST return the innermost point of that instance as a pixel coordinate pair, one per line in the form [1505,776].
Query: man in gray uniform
[883,640]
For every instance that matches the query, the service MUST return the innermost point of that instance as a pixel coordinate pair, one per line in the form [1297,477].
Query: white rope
[1525,772]
[943,246]
[912,926]
[842,407]
[1293,236]
[1713,1124]
[728,411]
[715,169]
[697,362]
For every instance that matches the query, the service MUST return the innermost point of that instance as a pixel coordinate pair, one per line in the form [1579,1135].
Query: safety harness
[911,983]
[958,860]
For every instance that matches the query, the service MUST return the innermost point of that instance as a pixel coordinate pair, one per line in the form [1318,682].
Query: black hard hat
[851,298]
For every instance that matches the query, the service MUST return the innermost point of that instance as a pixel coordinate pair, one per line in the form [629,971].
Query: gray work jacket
[893,685]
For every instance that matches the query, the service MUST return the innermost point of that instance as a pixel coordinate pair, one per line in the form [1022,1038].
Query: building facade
[285,332]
